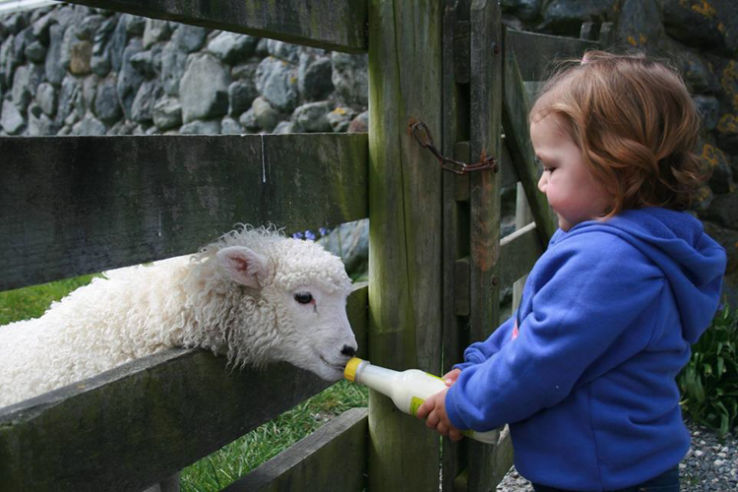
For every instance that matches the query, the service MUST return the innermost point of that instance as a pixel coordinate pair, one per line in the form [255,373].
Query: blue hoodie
[584,372]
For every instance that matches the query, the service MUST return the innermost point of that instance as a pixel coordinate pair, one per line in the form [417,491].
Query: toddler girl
[584,371]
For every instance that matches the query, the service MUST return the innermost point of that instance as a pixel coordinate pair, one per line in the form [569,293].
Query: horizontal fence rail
[331,459]
[74,205]
[518,253]
[12,6]
[141,422]
[339,25]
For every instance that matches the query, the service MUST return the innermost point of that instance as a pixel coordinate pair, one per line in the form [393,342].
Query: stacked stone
[71,70]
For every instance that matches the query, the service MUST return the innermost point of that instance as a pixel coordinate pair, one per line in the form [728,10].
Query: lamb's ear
[244,265]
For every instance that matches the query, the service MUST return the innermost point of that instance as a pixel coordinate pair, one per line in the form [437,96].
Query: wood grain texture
[455,284]
[485,130]
[331,459]
[330,24]
[515,120]
[518,253]
[404,226]
[74,205]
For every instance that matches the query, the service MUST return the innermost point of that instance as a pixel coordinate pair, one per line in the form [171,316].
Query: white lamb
[253,295]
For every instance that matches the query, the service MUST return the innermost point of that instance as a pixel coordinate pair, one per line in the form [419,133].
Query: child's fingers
[442,429]
[450,377]
[431,403]
[424,409]
[455,434]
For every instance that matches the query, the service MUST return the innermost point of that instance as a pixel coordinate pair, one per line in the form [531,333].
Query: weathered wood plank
[508,173]
[518,253]
[143,421]
[357,309]
[405,217]
[485,130]
[331,459]
[535,52]
[522,219]
[517,138]
[74,205]
[455,203]
[329,24]
[500,458]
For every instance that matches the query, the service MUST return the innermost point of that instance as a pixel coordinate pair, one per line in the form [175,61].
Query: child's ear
[243,265]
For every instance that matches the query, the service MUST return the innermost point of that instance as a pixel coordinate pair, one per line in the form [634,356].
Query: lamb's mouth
[337,367]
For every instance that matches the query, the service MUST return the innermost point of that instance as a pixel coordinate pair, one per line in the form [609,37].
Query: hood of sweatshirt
[692,262]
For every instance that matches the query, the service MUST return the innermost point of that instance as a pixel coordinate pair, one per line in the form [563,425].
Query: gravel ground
[711,465]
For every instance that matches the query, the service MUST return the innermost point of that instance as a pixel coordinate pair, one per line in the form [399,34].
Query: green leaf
[709,382]
[724,425]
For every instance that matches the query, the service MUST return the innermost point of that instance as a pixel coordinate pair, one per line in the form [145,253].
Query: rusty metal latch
[422,135]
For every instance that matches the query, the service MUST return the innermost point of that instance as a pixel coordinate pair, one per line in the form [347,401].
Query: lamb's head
[304,288]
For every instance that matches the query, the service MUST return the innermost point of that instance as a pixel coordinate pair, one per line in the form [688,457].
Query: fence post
[485,115]
[404,231]
[472,129]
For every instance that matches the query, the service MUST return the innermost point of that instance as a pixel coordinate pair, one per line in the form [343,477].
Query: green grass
[31,302]
[224,466]
[246,453]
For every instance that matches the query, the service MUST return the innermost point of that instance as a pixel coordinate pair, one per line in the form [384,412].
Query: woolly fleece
[250,315]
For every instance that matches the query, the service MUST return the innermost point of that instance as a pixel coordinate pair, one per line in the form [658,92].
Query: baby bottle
[408,389]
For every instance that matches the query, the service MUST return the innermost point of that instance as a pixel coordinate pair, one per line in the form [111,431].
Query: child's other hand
[433,410]
[451,376]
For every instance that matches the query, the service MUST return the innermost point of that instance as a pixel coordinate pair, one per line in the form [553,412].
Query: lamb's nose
[348,350]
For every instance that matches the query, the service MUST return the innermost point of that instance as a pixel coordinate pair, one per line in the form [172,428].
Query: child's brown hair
[635,123]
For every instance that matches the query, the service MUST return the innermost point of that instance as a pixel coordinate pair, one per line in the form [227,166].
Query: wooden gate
[442,74]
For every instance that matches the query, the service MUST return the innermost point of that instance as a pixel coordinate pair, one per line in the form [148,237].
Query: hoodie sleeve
[478,352]
[588,290]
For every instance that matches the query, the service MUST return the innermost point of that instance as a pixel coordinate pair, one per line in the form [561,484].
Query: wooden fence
[74,205]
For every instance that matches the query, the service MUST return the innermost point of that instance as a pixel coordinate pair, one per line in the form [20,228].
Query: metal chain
[422,135]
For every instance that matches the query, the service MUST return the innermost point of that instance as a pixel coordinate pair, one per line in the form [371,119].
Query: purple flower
[309,235]
[297,235]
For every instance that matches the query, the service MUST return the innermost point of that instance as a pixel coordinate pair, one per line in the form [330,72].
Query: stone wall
[71,70]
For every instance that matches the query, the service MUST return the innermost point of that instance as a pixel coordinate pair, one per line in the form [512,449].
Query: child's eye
[543,165]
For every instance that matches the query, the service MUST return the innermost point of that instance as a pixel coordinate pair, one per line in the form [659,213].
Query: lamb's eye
[304,297]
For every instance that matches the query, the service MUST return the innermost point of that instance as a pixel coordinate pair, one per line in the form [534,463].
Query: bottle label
[436,377]
[415,403]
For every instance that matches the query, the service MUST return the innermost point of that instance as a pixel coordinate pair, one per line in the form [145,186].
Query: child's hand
[433,410]
[451,376]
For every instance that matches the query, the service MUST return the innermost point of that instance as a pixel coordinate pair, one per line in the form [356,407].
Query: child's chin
[564,225]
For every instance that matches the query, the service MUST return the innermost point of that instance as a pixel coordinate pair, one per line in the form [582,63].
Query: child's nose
[542,183]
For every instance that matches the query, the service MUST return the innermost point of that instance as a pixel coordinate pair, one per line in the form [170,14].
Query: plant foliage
[709,382]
